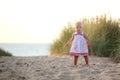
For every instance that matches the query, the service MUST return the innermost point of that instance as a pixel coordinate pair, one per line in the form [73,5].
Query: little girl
[80,44]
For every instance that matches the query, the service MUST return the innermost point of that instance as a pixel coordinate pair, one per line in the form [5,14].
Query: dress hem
[78,54]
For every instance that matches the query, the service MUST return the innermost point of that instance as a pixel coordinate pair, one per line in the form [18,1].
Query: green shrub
[4,53]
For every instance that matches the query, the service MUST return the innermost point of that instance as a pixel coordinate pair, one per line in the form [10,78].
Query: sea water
[19,49]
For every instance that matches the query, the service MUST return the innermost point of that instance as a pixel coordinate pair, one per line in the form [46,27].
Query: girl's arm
[87,39]
[70,41]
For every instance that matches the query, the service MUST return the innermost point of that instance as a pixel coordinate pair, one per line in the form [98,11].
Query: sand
[57,68]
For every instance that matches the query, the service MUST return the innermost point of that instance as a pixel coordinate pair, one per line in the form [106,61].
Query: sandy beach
[57,68]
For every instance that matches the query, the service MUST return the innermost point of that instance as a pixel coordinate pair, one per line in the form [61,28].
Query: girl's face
[78,27]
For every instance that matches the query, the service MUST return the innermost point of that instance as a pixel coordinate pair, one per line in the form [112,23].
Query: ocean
[19,49]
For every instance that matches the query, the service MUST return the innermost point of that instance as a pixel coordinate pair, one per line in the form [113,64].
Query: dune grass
[4,53]
[57,48]
[104,34]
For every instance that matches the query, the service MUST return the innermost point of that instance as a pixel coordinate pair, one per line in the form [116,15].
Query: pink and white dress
[79,45]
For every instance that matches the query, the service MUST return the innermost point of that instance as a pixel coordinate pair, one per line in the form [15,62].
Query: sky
[40,21]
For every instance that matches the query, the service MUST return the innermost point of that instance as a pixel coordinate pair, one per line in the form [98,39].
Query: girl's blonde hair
[79,23]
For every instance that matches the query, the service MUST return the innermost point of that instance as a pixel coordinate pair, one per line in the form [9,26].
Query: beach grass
[57,48]
[104,34]
[4,53]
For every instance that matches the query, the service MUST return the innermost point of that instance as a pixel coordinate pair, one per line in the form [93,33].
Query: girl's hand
[66,45]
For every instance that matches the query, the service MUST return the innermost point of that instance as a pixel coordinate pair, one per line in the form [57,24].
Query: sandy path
[57,68]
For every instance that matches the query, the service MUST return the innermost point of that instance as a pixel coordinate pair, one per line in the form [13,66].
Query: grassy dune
[104,34]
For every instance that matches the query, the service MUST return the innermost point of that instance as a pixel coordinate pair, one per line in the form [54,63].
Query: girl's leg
[86,59]
[75,60]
